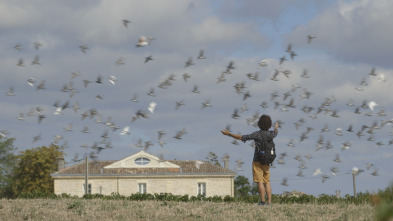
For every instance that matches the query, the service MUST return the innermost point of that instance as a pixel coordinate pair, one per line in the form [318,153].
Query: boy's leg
[257,173]
[266,182]
[262,191]
[268,193]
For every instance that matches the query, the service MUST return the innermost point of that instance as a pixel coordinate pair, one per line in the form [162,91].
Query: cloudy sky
[332,80]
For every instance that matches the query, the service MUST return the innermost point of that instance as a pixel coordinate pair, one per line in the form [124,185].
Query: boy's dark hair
[265,122]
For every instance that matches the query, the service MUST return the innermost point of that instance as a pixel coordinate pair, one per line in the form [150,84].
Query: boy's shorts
[260,173]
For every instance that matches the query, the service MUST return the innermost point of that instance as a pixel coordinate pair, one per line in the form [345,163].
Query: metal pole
[86,174]
[354,184]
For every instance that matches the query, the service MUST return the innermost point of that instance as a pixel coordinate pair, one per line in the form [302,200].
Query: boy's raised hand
[225,132]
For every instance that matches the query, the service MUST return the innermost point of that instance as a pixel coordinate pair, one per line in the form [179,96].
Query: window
[141,161]
[142,188]
[88,188]
[202,189]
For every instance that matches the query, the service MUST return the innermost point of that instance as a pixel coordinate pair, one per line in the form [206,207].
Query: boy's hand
[225,132]
[277,125]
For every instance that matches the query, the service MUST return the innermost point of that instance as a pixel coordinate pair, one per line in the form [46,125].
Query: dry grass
[99,209]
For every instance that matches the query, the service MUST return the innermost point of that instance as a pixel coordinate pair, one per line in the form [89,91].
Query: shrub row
[361,198]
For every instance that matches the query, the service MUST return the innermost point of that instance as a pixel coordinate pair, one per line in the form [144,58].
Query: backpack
[267,153]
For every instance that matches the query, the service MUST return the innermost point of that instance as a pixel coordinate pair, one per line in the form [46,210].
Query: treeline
[385,196]
[28,170]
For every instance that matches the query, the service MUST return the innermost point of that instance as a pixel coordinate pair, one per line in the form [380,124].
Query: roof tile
[186,166]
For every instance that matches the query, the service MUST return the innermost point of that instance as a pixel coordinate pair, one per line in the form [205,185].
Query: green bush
[217,199]
[228,198]
[117,196]
[386,196]
[184,198]
[37,195]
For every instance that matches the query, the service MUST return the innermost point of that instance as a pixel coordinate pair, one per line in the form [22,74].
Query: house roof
[127,166]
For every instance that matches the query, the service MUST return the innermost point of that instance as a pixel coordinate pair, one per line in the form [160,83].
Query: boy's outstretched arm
[236,136]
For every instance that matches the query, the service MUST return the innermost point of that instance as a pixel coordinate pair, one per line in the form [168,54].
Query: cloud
[254,9]
[217,33]
[353,31]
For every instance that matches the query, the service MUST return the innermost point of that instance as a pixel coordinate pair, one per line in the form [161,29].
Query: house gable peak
[141,159]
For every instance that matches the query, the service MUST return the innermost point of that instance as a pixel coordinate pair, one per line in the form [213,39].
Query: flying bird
[86,83]
[125,131]
[36,60]
[135,99]
[309,38]
[36,138]
[372,105]
[263,63]
[41,86]
[198,164]
[11,91]
[201,55]
[317,172]
[68,128]
[151,92]
[99,97]
[126,22]
[20,63]
[284,181]
[179,134]
[239,164]
[372,72]
[186,76]
[18,47]
[31,82]
[149,58]
[143,41]
[235,114]
[337,159]
[230,66]
[112,79]
[282,59]
[189,62]
[179,104]
[195,89]
[120,61]
[160,134]
[83,48]
[152,107]
[37,45]
[206,104]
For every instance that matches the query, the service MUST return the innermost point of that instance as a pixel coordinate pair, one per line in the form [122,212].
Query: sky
[331,81]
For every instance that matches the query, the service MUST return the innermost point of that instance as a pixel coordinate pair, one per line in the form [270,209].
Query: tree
[34,168]
[242,186]
[213,158]
[7,165]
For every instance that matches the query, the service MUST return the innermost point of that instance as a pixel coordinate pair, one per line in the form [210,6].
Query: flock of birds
[282,102]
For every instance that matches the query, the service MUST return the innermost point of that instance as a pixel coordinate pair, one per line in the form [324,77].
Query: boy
[261,173]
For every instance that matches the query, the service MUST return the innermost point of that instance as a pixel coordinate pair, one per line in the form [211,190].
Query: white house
[145,173]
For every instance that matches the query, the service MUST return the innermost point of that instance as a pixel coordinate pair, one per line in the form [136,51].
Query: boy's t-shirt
[260,137]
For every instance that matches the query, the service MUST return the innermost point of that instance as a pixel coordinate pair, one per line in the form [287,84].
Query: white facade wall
[177,185]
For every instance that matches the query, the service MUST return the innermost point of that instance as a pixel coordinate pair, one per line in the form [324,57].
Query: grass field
[101,209]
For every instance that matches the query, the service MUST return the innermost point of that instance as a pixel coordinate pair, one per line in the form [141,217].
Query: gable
[141,160]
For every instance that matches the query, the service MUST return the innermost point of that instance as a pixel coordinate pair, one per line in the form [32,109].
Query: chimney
[60,163]
[338,195]
[226,161]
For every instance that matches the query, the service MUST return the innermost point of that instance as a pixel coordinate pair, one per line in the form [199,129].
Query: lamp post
[86,174]
[355,171]
[354,183]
